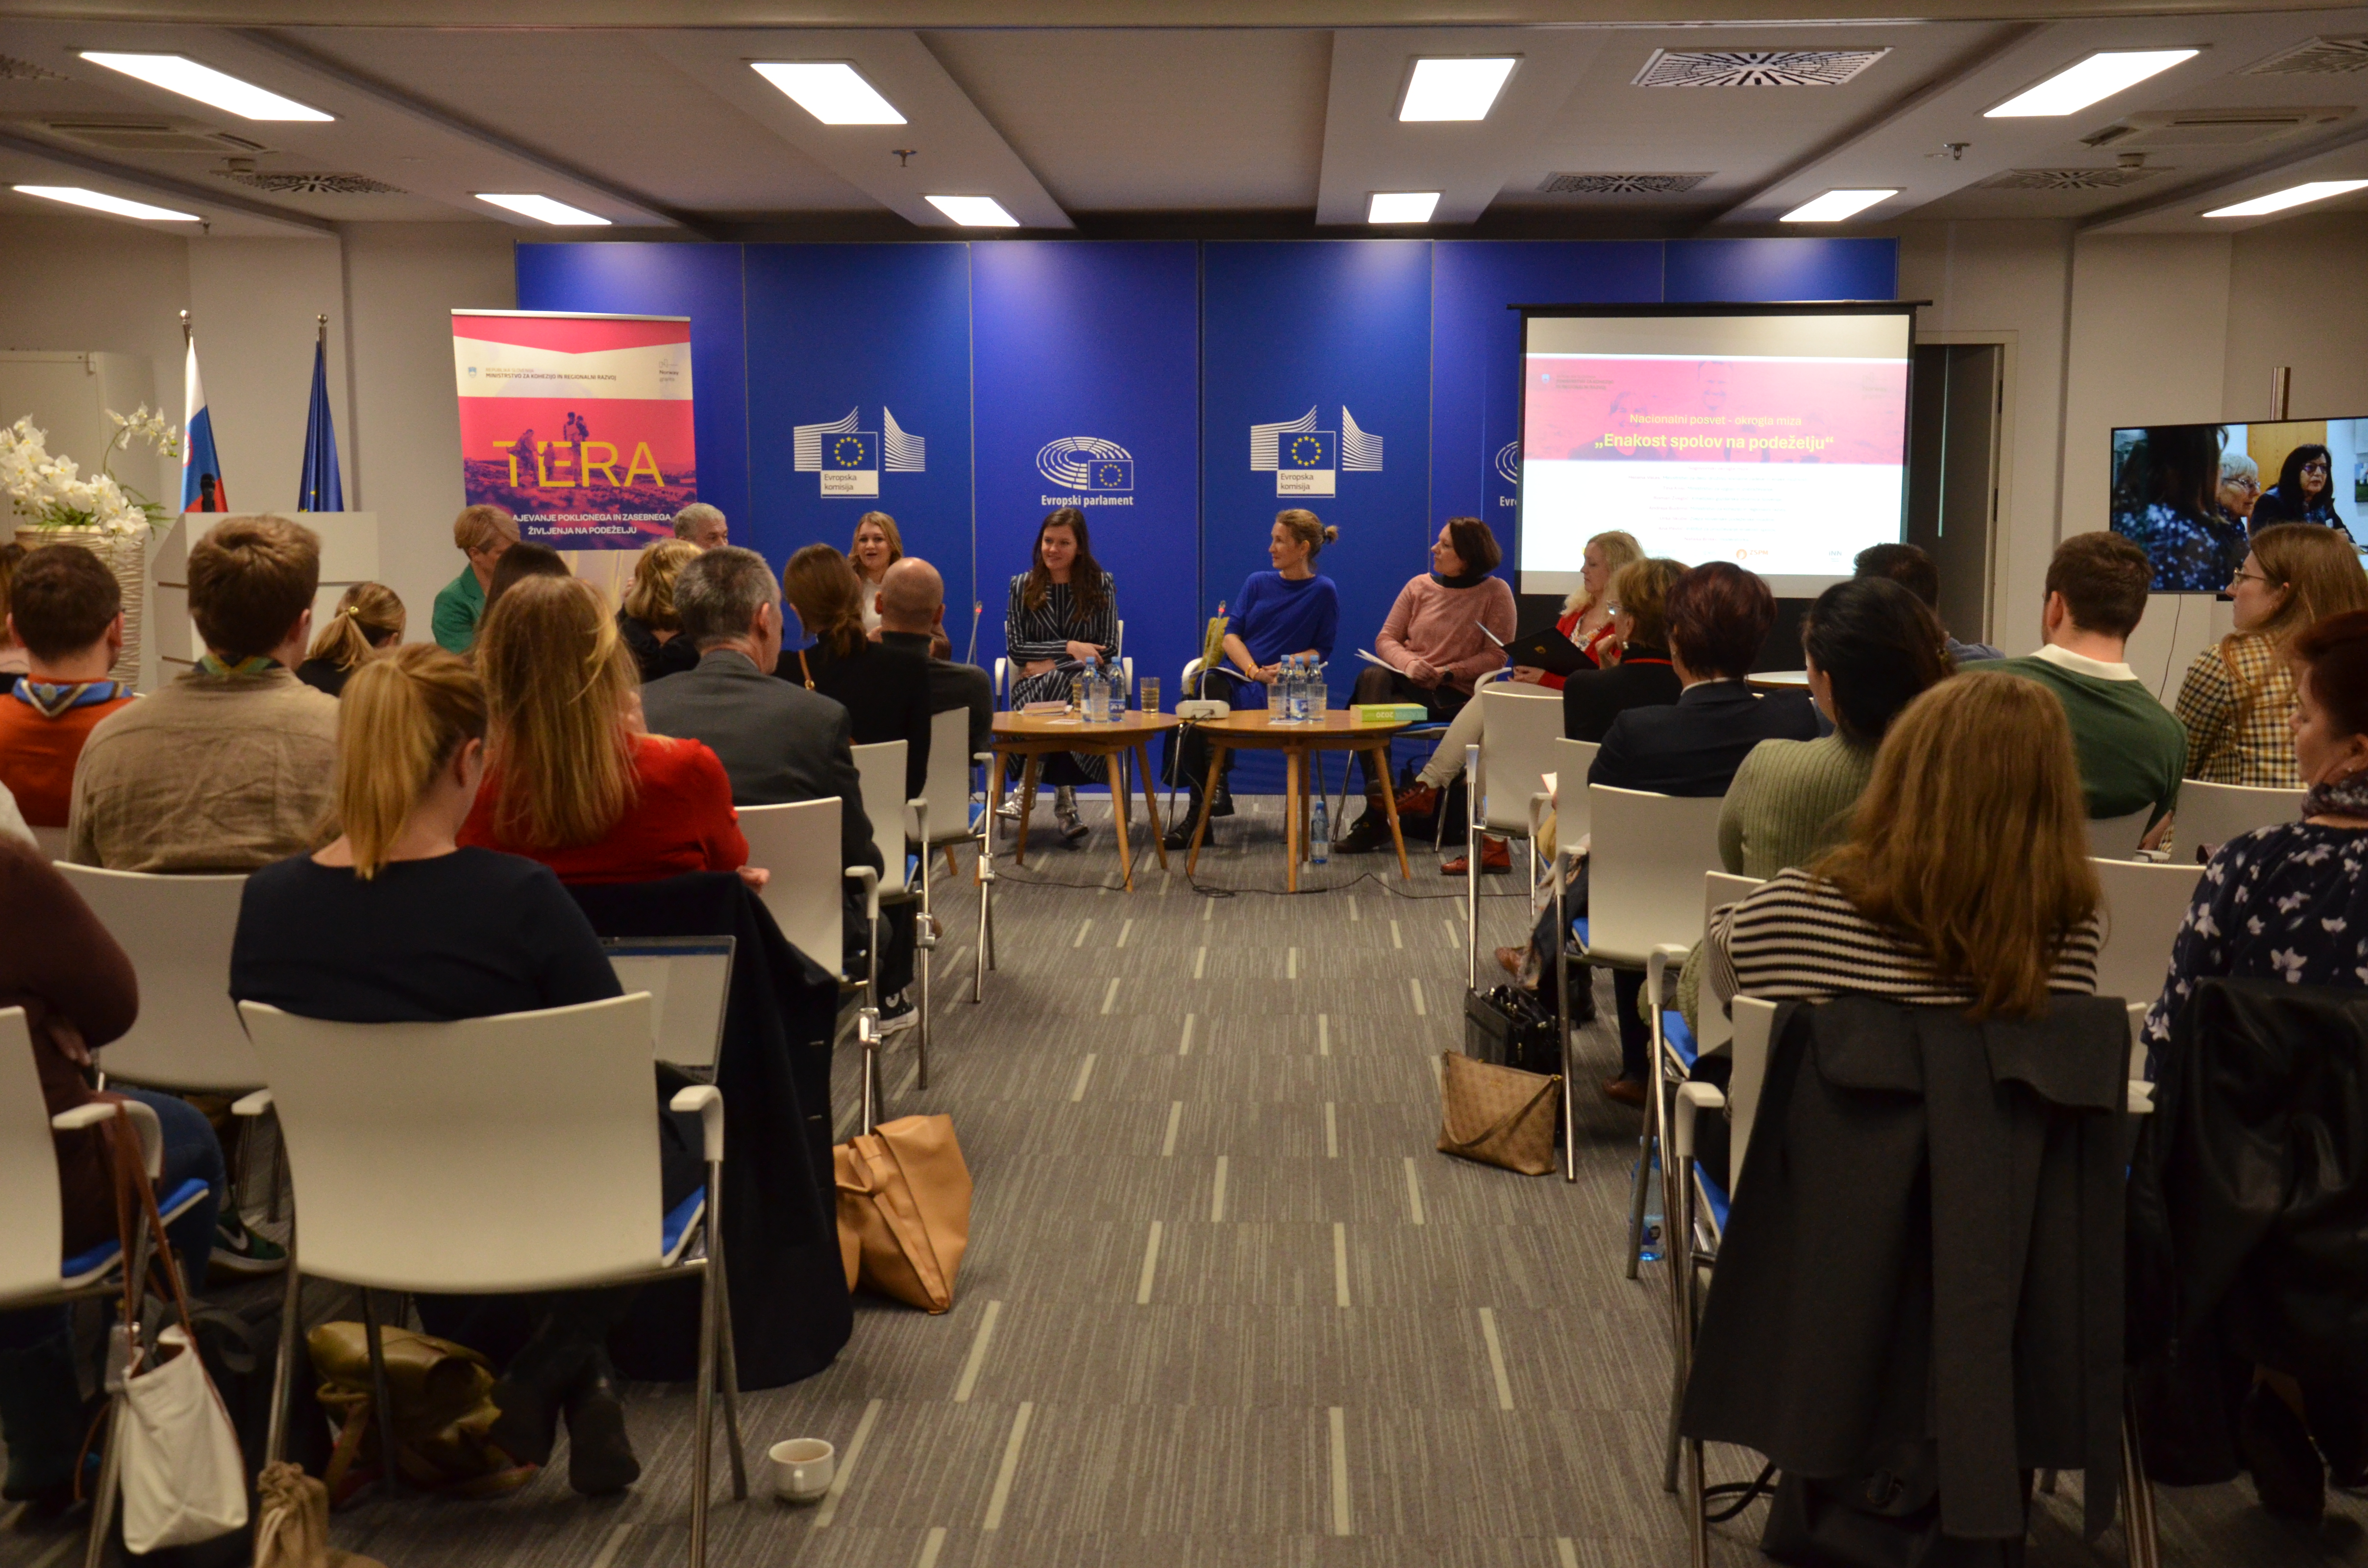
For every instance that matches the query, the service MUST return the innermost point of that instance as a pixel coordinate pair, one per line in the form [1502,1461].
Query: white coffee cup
[803,1467]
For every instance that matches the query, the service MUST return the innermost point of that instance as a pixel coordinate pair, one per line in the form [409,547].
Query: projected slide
[1775,442]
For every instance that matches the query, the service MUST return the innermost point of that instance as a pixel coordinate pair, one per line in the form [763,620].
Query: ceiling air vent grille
[309,184]
[1620,185]
[2068,179]
[150,136]
[2214,127]
[2314,57]
[14,70]
[1755,67]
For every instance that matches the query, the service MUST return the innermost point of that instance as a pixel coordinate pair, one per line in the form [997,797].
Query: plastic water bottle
[1319,696]
[1298,691]
[1096,703]
[1319,834]
[1117,686]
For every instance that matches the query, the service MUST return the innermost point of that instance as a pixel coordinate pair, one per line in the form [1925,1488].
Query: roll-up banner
[579,426]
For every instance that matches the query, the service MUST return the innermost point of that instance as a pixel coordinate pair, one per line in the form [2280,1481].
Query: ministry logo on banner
[1098,473]
[1305,460]
[850,459]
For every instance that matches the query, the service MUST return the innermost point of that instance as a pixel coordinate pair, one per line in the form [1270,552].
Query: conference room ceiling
[1147,129]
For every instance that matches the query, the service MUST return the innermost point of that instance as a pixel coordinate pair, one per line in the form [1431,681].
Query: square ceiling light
[179,74]
[99,201]
[1456,88]
[831,90]
[974,211]
[2100,76]
[1401,206]
[1836,205]
[542,207]
[2276,201]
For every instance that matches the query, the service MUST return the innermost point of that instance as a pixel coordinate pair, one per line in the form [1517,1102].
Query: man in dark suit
[912,610]
[778,742]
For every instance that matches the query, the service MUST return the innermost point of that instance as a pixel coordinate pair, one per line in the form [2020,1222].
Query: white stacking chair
[1572,761]
[178,931]
[1712,1028]
[50,841]
[2145,904]
[2118,837]
[34,1269]
[882,765]
[2214,813]
[689,983]
[1505,790]
[495,1156]
[798,843]
[948,787]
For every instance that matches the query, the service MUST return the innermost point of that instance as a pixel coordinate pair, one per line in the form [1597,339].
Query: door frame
[2001,456]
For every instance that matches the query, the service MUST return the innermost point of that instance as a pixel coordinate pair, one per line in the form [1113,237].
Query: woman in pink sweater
[1434,646]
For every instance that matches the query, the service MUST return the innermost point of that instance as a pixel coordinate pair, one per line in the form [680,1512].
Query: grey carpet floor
[1224,1304]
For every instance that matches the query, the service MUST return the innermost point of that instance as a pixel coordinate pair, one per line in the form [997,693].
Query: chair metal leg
[703,1416]
[1561,1028]
[111,1480]
[1636,1198]
[275,1442]
[278,1165]
[1475,814]
[867,1030]
[1681,1245]
[1698,1525]
[925,942]
[2141,1547]
[730,1356]
[391,1482]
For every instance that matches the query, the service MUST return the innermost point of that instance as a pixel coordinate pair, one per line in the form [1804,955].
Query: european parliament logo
[1087,465]
[850,460]
[1305,460]
[1509,463]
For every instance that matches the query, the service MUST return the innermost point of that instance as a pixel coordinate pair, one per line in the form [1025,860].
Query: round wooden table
[1255,729]
[1033,735]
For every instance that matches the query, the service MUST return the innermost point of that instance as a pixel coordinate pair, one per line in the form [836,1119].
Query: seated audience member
[702,525]
[876,547]
[885,691]
[66,608]
[61,964]
[521,562]
[395,922]
[1644,674]
[1434,643]
[573,779]
[228,767]
[483,534]
[2238,695]
[1288,611]
[14,660]
[2287,903]
[778,742]
[1871,648]
[1912,906]
[2132,751]
[2304,491]
[913,616]
[647,617]
[370,619]
[1913,570]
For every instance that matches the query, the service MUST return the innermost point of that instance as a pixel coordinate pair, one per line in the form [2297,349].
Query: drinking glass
[1149,687]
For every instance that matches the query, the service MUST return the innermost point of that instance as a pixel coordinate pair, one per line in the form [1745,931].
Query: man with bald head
[912,612]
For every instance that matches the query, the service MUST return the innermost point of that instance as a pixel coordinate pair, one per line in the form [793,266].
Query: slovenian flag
[201,481]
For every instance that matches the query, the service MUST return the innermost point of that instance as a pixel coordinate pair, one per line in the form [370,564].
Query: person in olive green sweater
[2132,751]
[481,533]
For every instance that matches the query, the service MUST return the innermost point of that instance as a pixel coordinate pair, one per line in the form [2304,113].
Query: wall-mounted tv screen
[2192,494]
[1774,437]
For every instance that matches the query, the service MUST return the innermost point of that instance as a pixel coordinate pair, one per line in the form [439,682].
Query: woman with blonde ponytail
[396,922]
[370,619]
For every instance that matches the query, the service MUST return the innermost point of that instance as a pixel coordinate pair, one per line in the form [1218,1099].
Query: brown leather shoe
[1510,959]
[1417,799]
[1496,859]
[1626,1091]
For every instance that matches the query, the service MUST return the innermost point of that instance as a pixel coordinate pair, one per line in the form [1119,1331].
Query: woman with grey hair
[2240,487]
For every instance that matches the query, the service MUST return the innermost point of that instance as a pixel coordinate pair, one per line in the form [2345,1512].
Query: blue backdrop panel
[1087,359]
[1476,354]
[880,332]
[695,280]
[1781,269]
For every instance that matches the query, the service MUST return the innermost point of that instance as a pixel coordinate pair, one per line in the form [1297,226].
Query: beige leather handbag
[903,1210]
[1497,1115]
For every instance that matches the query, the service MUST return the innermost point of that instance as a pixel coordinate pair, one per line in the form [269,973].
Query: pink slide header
[1599,408]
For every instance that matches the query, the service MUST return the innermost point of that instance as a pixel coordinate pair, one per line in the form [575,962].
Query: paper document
[1376,660]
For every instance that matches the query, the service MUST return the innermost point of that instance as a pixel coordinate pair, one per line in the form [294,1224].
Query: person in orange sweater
[66,608]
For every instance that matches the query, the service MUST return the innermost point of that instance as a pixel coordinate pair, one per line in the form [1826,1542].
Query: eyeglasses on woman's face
[2316,465]
[2249,577]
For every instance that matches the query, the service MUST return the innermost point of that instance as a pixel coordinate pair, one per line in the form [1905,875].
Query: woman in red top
[575,781]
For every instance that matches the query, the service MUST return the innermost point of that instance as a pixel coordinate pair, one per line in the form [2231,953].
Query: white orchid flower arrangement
[53,494]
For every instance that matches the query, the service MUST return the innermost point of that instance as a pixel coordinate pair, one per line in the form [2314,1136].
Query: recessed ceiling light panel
[1836,205]
[1401,206]
[179,74]
[2100,76]
[2276,201]
[99,201]
[831,90]
[542,207]
[1456,88]
[974,211]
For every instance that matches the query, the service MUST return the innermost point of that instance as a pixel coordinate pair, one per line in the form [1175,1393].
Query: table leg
[1027,806]
[1307,764]
[994,799]
[1291,793]
[1151,803]
[1390,803]
[1200,823]
[1114,764]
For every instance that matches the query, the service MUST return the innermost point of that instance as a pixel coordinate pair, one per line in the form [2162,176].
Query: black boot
[599,1458]
[1220,805]
[534,1386]
[1372,832]
[1179,832]
[43,1418]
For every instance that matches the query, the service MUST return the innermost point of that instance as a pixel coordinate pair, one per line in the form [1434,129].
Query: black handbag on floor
[1509,1028]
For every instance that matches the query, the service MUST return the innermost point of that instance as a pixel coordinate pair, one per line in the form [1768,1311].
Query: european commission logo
[849,459]
[1304,459]
[1509,468]
[1100,473]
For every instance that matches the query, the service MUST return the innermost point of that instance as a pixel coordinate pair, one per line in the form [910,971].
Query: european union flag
[1308,449]
[852,448]
[1110,473]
